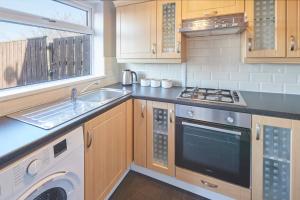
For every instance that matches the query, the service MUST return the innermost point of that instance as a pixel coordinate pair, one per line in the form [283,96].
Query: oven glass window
[56,193]
[212,148]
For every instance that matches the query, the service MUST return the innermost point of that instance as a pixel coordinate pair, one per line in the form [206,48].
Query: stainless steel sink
[51,115]
[102,95]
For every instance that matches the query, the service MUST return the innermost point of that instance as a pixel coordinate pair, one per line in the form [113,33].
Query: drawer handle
[142,112]
[293,43]
[89,140]
[211,14]
[178,48]
[209,184]
[257,131]
[171,116]
[249,44]
[153,48]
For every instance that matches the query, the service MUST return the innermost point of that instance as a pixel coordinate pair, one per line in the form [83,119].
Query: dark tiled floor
[136,186]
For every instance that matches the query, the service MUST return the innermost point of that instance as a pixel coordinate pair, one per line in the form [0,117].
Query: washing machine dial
[33,167]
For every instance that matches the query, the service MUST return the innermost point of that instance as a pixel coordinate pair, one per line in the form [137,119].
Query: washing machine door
[58,186]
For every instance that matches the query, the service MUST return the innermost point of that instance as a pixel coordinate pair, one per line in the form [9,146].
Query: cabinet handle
[142,111]
[178,48]
[153,48]
[293,43]
[211,14]
[171,116]
[257,131]
[89,139]
[209,184]
[249,44]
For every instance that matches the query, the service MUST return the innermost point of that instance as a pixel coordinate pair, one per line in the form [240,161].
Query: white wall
[216,62]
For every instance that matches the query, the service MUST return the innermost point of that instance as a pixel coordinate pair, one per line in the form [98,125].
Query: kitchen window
[43,41]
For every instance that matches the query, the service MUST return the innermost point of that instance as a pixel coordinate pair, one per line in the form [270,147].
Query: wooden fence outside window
[31,61]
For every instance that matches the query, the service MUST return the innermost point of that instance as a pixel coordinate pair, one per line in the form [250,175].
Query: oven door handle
[212,128]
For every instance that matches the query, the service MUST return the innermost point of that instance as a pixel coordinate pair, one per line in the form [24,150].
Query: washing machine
[54,172]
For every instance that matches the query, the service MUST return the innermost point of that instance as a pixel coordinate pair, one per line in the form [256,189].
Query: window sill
[13,93]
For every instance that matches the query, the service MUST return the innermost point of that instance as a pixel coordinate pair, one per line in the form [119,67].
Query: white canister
[155,83]
[145,82]
[166,83]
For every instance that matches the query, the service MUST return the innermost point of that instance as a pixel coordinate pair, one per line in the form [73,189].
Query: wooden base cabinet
[105,152]
[154,128]
[160,137]
[213,184]
[275,159]
[140,132]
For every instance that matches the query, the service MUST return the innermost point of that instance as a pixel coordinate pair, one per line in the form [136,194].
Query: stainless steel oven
[214,142]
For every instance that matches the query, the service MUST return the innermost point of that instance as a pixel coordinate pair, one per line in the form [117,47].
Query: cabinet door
[274,158]
[160,137]
[266,32]
[168,23]
[129,132]
[105,152]
[293,28]
[136,30]
[205,8]
[140,132]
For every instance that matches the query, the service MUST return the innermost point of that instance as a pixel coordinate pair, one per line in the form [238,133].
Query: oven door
[220,151]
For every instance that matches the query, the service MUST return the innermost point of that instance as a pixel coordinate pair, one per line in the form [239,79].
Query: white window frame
[14,16]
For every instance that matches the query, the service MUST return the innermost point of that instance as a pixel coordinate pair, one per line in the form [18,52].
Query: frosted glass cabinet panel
[275,158]
[168,24]
[267,28]
[160,137]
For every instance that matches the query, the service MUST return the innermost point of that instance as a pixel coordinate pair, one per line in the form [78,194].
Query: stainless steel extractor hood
[216,25]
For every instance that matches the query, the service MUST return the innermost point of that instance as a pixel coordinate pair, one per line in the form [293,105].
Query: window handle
[178,49]
[153,48]
[49,20]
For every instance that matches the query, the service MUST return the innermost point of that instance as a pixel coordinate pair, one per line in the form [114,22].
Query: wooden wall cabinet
[154,130]
[275,158]
[148,32]
[136,31]
[205,8]
[273,32]
[293,28]
[105,151]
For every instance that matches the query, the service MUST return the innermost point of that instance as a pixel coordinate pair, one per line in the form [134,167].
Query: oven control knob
[230,120]
[191,113]
[33,167]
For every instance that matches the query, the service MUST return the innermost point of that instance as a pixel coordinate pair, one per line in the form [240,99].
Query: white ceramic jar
[145,82]
[155,83]
[166,83]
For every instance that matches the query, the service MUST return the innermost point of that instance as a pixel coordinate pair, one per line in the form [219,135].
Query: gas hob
[196,94]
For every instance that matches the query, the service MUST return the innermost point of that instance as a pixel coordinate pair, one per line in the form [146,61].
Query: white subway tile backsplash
[220,76]
[216,62]
[209,84]
[286,78]
[261,77]
[249,86]
[275,88]
[292,88]
[268,68]
[231,85]
[239,76]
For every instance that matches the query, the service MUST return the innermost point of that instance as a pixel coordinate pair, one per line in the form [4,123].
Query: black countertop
[18,139]
[269,104]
